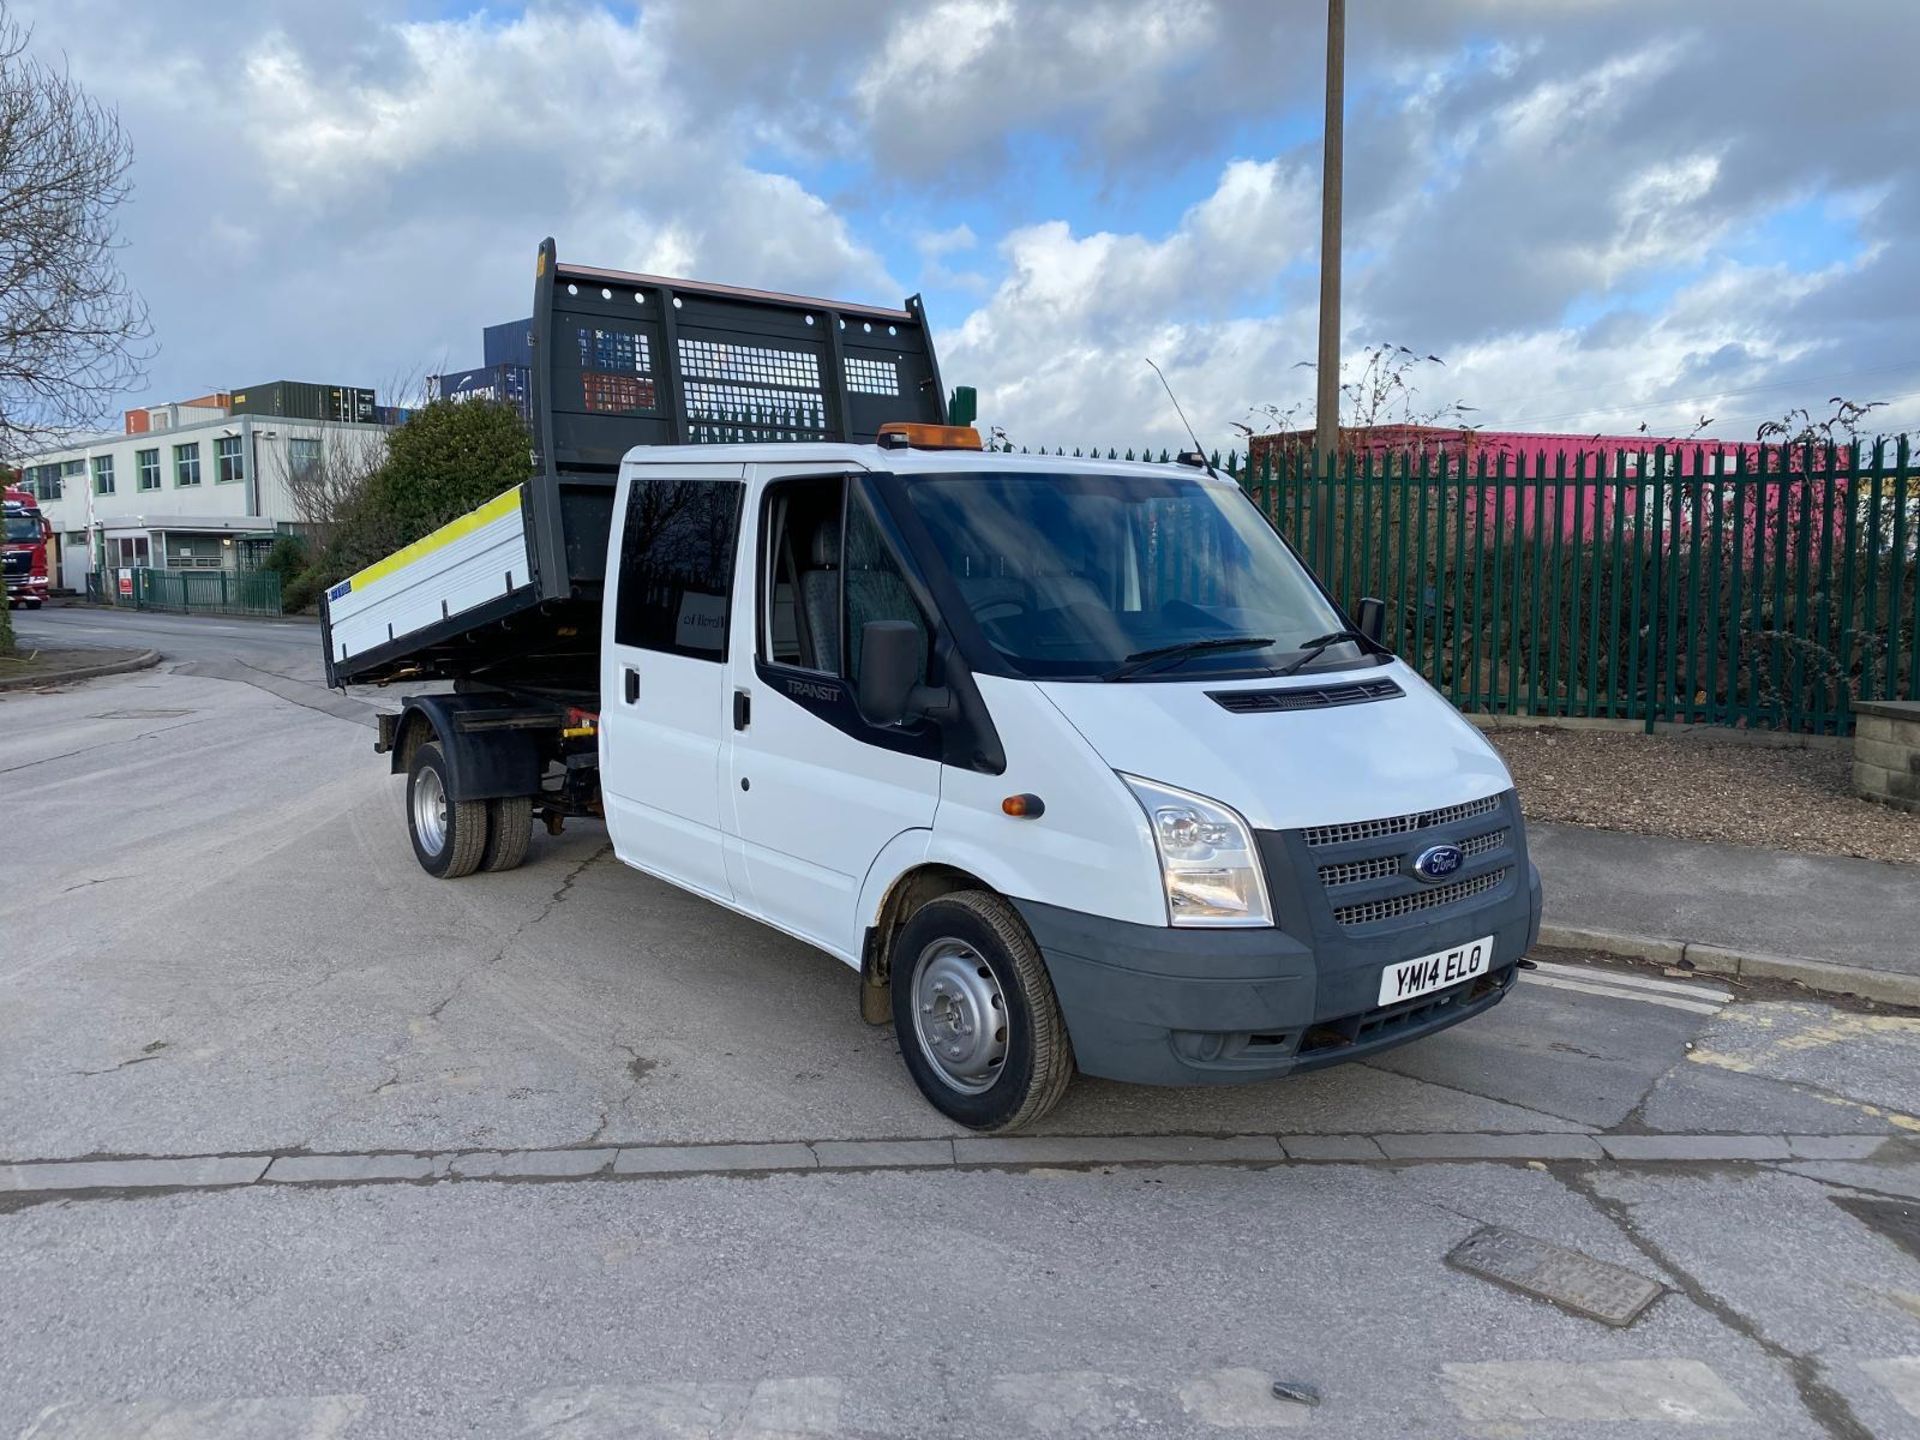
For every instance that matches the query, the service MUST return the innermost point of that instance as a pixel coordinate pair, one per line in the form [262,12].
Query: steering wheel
[1005,607]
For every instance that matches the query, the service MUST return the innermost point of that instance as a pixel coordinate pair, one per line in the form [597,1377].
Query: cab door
[663,684]
[817,793]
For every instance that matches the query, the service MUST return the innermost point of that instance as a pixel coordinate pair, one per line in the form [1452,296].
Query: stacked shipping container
[507,384]
[297,400]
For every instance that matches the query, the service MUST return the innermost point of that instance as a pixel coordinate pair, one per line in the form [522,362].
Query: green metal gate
[194,592]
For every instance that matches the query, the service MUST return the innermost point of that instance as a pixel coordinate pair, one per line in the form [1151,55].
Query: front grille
[1304,697]
[1367,912]
[1481,844]
[1400,824]
[1354,871]
[19,562]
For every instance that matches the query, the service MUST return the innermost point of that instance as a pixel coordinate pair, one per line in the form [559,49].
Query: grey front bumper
[1162,1006]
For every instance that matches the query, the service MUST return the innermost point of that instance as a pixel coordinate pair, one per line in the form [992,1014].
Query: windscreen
[22,527]
[1082,576]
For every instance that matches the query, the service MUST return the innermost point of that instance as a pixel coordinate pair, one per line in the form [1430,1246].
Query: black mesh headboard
[621,360]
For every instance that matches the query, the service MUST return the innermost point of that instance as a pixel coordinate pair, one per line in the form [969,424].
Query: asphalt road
[215,944]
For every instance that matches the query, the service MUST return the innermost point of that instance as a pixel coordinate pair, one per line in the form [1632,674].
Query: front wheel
[449,836]
[975,1014]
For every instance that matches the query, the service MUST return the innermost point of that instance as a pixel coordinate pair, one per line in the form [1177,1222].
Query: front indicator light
[1208,863]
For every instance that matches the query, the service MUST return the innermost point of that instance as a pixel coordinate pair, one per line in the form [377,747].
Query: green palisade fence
[1761,586]
[190,592]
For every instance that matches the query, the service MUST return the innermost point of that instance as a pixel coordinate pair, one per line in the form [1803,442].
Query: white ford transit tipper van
[1073,760]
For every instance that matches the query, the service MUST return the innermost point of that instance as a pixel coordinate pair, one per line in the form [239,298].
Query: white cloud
[949,83]
[326,191]
[354,212]
[1059,350]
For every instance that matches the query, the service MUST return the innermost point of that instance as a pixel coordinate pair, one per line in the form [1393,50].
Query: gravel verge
[1695,788]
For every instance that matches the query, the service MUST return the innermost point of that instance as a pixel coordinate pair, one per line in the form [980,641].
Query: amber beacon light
[918,436]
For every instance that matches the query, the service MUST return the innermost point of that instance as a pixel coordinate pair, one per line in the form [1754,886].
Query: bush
[303,591]
[287,558]
[450,457]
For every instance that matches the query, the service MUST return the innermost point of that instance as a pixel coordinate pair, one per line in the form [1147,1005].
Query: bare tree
[324,486]
[1384,390]
[1799,427]
[72,331]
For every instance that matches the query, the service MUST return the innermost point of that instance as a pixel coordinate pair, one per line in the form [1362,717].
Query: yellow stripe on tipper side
[493,510]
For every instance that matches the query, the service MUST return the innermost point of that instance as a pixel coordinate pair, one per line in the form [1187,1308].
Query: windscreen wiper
[1141,659]
[1320,644]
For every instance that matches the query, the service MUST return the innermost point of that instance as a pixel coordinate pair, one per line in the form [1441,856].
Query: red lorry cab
[27,533]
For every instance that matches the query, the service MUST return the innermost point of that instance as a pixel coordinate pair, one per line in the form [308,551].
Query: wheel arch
[481,765]
[905,893]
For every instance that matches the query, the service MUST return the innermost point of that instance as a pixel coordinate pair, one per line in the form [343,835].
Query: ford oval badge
[1437,862]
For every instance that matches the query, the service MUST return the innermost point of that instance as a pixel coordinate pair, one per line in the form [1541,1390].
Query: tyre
[509,828]
[449,836]
[34,604]
[975,1014]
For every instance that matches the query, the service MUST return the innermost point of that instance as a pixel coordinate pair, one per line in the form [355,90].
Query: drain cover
[1563,1277]
[1898,1220]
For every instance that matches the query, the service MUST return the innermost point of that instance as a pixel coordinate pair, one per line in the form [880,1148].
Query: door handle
[742,709]
[632,682]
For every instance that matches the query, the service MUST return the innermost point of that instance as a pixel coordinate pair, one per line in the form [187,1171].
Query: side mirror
[1371,619]
[889,670]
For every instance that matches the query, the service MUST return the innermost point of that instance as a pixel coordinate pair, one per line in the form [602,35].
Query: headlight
[1207,859]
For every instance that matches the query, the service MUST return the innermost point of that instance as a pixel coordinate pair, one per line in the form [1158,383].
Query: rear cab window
[676,566]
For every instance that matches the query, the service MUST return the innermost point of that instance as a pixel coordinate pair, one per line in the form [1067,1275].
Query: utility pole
[1326,410]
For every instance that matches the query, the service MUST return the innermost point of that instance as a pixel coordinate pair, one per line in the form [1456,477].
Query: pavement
[296,1141]
[1856,921]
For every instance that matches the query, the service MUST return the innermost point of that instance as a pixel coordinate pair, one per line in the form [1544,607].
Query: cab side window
[827,573]
[676,566]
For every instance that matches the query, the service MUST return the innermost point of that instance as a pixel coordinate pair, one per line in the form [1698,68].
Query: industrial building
[207,483]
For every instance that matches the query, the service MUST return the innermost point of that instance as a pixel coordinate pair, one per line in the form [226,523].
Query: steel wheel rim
[959,1016]
[430,810]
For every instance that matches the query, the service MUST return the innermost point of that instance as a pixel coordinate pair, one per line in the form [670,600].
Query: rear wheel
[509,828]
[975,1014]
[449,836]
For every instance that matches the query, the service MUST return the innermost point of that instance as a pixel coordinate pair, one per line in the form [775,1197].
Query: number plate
[1437,971]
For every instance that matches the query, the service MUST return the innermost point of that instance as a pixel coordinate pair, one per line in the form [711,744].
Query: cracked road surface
[217,946]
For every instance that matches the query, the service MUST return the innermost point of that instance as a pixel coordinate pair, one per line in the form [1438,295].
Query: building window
[148,463]
[131,550]
[74,473]
[228,466]
[103,474]
[186,464]
[303,455]
[42,481]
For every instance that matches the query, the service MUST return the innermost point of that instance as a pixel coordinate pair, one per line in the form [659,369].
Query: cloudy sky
[1599,213]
